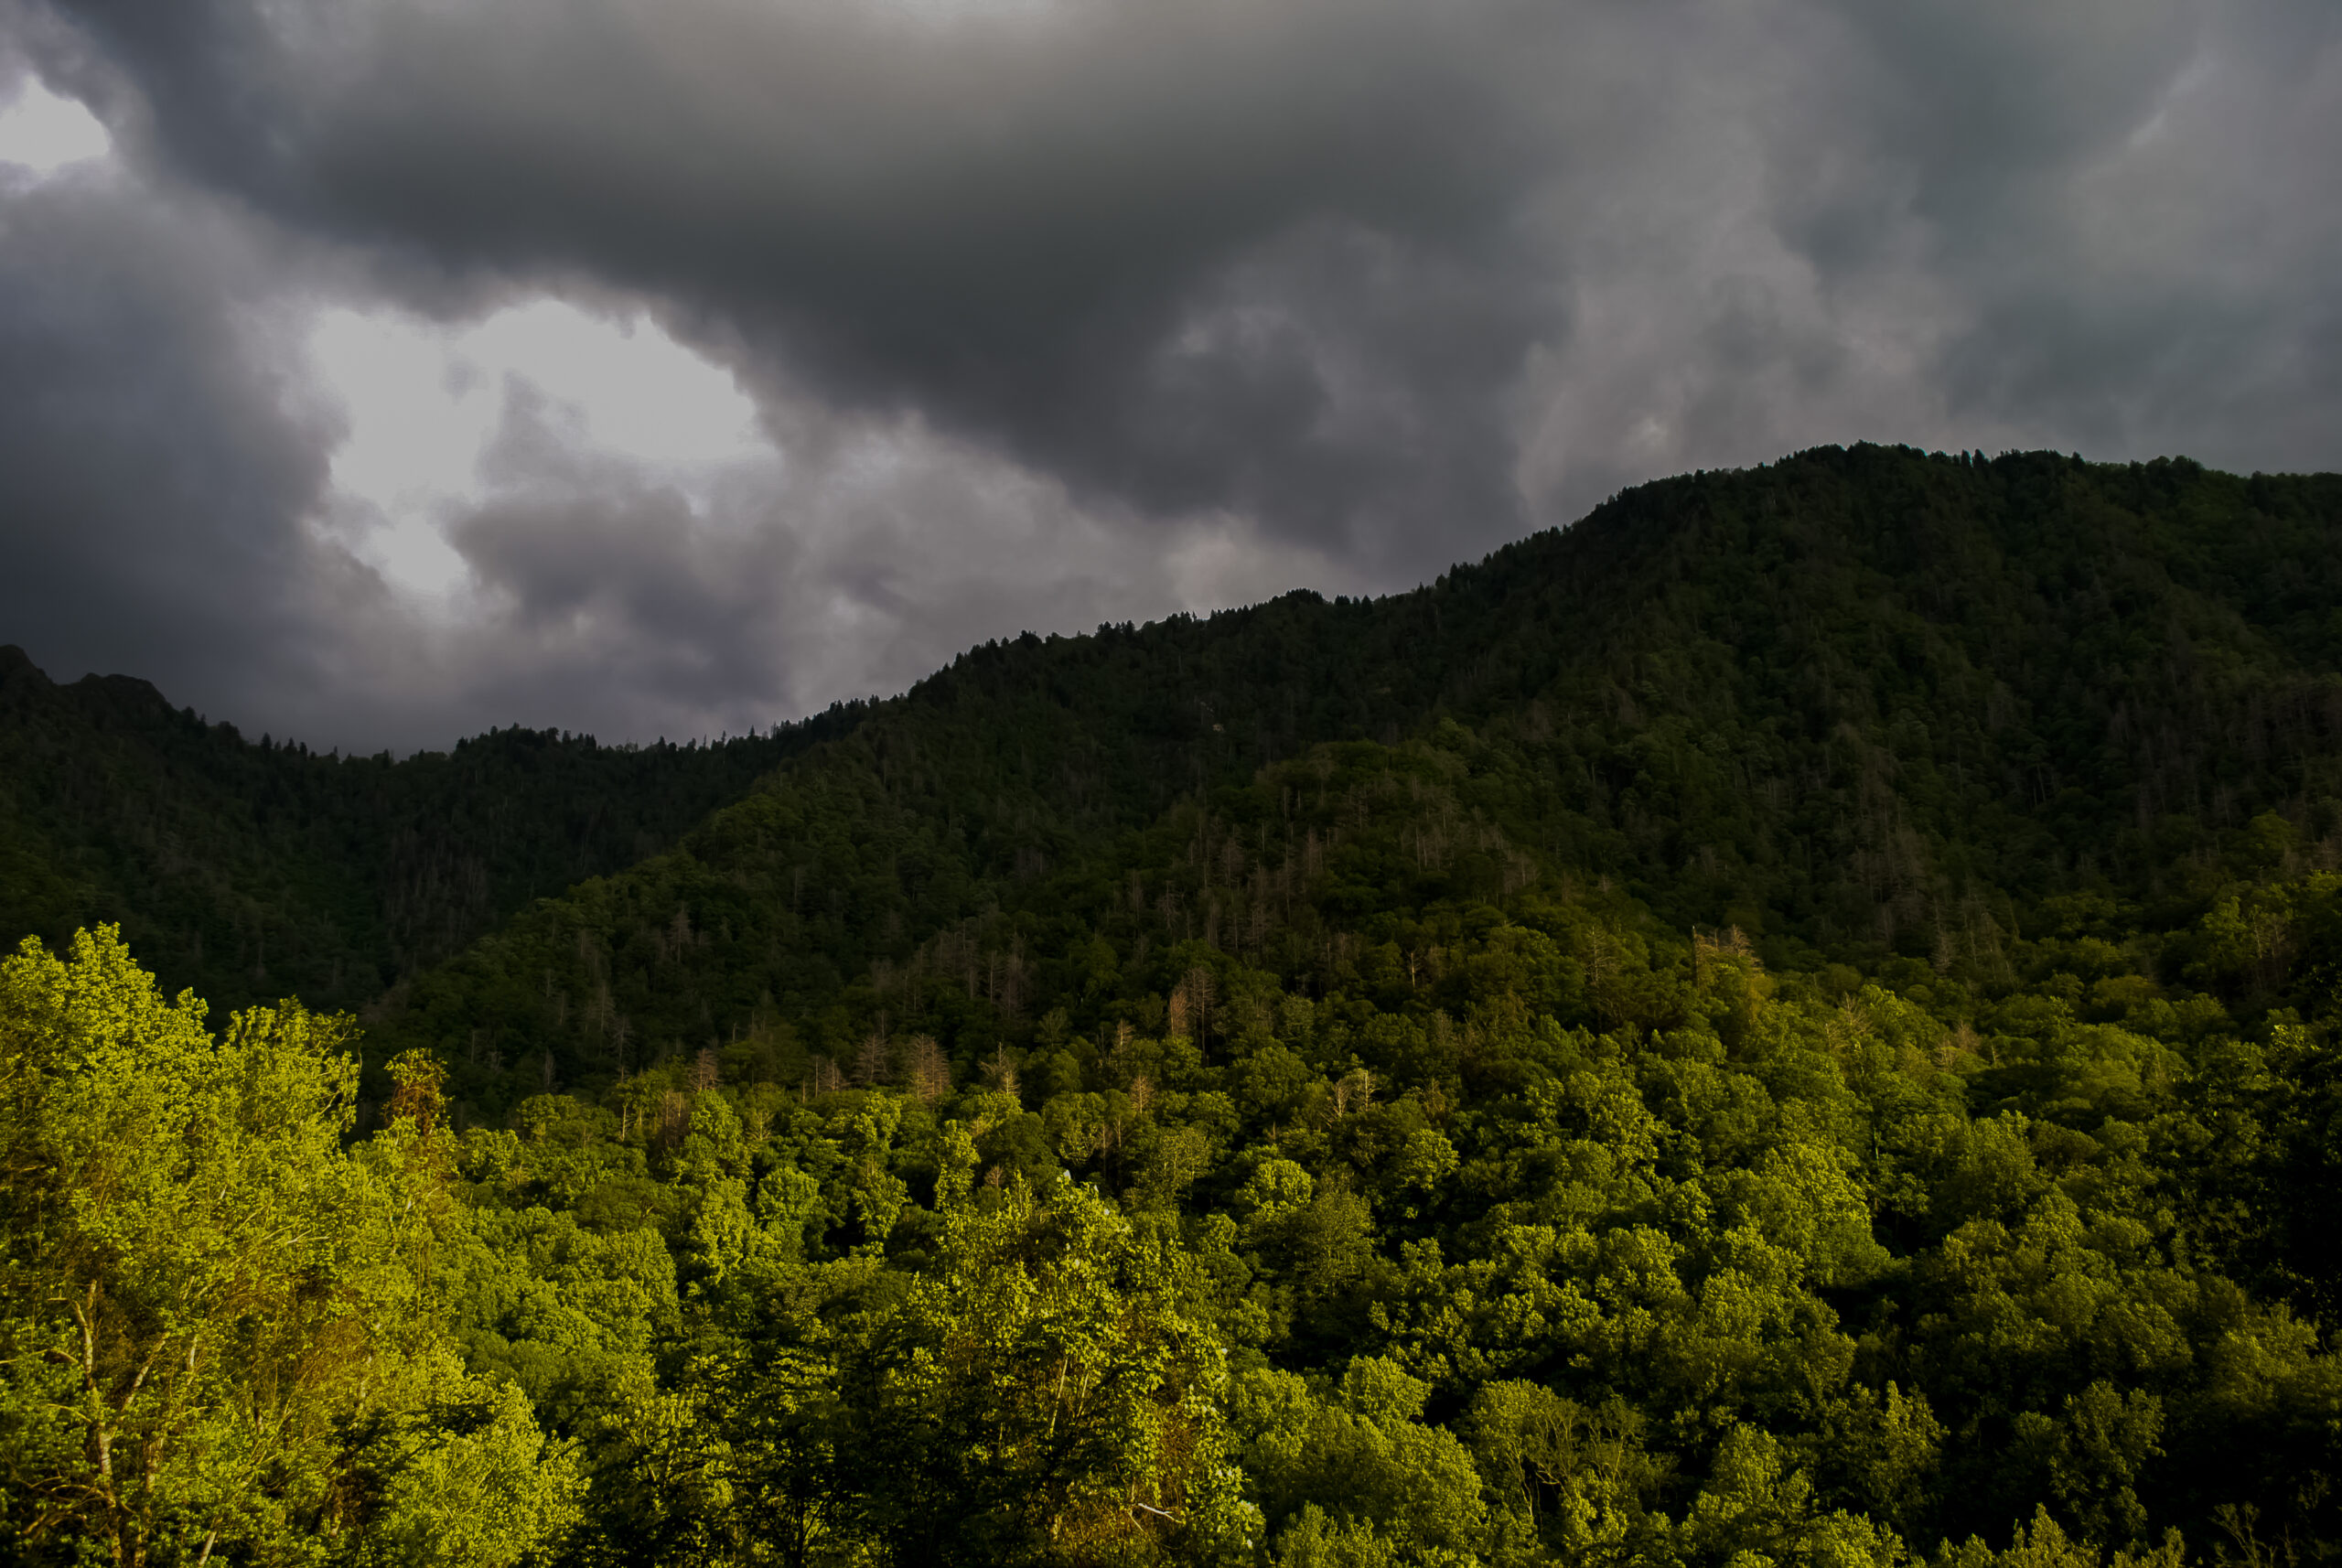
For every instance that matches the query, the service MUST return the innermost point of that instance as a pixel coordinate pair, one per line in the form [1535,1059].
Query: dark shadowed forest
[1792,1022]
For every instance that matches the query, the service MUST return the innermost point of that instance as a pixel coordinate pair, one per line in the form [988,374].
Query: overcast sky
[377,370]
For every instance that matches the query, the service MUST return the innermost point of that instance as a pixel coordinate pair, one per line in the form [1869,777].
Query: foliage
[1793,1022]
[251,869]
[215,1323]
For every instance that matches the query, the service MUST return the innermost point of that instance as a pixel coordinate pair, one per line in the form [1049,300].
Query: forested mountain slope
[1792,1022]
[1840,700]
[1859,704]
[255,870]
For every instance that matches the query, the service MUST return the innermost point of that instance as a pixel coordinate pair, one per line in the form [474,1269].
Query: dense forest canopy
[1790,1022]
[251,870]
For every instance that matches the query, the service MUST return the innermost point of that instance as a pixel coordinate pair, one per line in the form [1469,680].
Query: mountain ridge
[254,869]
[1771,770]
[1191,702]
[1795,1021]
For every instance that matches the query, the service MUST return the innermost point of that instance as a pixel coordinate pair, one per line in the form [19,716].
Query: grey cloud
[152,472]
[2135,208]
[1139,304]
[1007,222]
[612,595]
[604,571]
[165,510]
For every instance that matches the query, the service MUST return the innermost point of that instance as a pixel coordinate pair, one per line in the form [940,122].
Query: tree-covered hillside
[1792,1022]
[252,870]
[1861,705]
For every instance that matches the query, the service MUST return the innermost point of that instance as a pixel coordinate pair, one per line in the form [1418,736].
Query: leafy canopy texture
[1040,1393]
[217,1326]
[1794,1022]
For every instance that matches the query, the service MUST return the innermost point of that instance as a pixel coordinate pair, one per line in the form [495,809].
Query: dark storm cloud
[1175,254]
[842,572]
[153,473]
[587,553]
[1069,310]
[2137,207]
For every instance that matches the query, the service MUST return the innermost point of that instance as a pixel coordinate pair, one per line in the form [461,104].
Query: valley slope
[1791,1021]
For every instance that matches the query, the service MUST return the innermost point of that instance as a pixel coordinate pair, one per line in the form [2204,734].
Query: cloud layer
[1056,311]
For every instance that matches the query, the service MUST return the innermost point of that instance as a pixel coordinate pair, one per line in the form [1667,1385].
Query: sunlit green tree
[217,1328]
